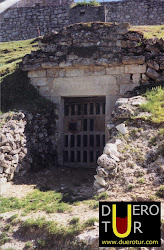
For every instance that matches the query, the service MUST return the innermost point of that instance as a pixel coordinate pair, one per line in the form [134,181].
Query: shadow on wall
[28,128]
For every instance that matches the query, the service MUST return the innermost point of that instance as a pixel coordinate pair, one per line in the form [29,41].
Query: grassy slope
[17,93]
[12,54]
[150,31]
[155,104]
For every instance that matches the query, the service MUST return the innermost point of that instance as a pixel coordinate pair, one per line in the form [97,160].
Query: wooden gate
[84,130]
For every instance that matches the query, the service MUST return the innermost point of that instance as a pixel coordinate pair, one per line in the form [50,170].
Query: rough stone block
[84,86]
[37,73]
[160,79]
[74,72]
[88,71]
[144,77]
[48,65]
[152,73]
[99,71]
[136,78]
[135,69]
[123,79]
[56,72]
[152,64]
[115,70]
[65,64]
[38,81]
[133,59]
[127,87]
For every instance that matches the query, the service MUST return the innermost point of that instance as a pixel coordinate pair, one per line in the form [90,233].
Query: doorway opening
[84,130]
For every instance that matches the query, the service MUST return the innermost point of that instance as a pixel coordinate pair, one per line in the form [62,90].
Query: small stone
[96,185]
[106,162]
[111,148]
[101,172]
[101,190]
[3,140]
[1,170]
[100,180]
[122,129]
[110,126]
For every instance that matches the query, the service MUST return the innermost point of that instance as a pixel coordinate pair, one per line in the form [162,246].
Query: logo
[129,224]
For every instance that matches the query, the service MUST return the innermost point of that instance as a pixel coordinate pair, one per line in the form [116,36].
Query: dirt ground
[78,181]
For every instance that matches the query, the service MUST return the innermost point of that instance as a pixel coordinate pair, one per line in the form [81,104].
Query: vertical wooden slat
[86,125]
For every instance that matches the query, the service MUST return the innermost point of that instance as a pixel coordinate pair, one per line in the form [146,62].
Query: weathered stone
[122,129]
[160,79]
[135,69]
[37,73]
[74,72]
[54,72]
[65,64]
[100,180]
[133,59]
[101,172]
[83,62]
[3,140]
[126,87]
[111,148]
[86,86]
[136,78]
[162,65]
[152,64]
[115,70]
[102,62]
[38,81]
[96,185]
[106,162]
[123,79]
[152,73]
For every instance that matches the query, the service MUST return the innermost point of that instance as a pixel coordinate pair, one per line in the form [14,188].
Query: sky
[6,4]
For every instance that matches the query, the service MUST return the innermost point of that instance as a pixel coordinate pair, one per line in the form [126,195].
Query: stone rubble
[133,159]
[26,141]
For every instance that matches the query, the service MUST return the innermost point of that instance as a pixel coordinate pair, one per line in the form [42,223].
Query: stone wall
[86,14]
[139,12]
[25,23]
[28,19]
[32,3]
[28,141]
[70,61]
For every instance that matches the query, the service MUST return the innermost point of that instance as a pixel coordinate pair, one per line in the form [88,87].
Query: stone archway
[92,59]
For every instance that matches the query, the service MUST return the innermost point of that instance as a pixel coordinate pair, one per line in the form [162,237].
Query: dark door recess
[84,130]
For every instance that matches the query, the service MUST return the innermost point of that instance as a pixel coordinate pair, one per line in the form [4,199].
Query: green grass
[86,3]
[4,238]
[90,222]
[49,201]
[75,220]
[12,54]
[16,91]
[155,104]
[52,228]
[141,181]
[160,191]
[101,196]
[28,245]
[150,31]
